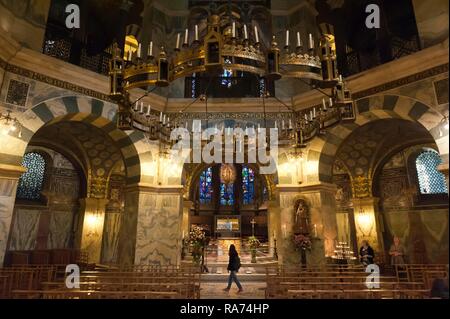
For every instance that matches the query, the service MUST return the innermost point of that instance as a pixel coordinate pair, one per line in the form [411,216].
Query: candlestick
[256,35]
[234,30]
[186,37]
[150,49]
[245,32]
[287,38]
[196,32]
[299,40]
[311,41]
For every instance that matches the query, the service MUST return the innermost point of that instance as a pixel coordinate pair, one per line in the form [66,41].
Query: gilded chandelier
[234,46]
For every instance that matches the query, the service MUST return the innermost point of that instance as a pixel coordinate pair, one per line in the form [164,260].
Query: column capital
[11,171]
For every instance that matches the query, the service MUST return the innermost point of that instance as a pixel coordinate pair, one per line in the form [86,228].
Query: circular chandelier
[235,46]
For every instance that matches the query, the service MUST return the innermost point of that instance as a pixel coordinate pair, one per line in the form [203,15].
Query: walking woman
[234,264]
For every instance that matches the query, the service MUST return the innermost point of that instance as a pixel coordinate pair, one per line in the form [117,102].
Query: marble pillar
[185,222]
[320,199]
[273,225]
[368,222]
[92,220]
[151,228]
[9,176]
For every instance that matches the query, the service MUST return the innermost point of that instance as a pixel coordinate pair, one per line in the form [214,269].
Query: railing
[71,51]
[358,61]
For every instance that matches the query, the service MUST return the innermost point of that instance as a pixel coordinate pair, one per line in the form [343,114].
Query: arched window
[30,183]
[226,194]
[206,189]
[248,185]
[431,181]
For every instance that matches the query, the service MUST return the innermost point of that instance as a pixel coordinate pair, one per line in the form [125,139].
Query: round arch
[323,149]
[133,145]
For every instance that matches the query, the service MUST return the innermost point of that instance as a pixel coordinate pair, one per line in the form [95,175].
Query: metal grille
[431,181]
[59,49]
[30,183]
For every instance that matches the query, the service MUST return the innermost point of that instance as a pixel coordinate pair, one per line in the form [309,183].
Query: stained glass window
[431,181]
[226,194]
[30,183]
[206,189]
[248,185]
[226,75]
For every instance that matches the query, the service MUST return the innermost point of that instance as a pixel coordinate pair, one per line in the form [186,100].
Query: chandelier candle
[311,42]
[196,33]
[299,40]
[186,37]
[287,38]
[150,49]
[245,32]
[233,33]
[142,108]
[178,41]
[139,50]
[256,34]
[324,105]
[148,111]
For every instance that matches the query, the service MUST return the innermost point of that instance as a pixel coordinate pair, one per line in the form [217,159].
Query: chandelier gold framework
[234,46]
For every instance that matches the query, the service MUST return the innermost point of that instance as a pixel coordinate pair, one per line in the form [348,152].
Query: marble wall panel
[7,198]
[111,238]
[60,229]
[24,229]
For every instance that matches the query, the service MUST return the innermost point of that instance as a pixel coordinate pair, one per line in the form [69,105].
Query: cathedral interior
[95,99]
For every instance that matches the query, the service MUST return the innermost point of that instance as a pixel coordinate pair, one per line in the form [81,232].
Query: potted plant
[302,243]
[197,240]
[253,243]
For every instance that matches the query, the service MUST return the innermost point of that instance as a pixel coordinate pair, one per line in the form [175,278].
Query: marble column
[185,221]
[368,222]
[9,176]
[91,224]
[150,232]
[320,199]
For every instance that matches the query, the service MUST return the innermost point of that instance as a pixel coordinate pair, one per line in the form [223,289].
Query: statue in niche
[301,217]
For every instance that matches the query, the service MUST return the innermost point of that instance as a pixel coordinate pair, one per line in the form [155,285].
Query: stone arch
[323,149]
[132,144]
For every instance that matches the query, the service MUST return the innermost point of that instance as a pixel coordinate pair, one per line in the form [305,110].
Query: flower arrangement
[302,242]
[197,240]
[253,242]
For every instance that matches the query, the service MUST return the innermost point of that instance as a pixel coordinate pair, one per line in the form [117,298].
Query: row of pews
[351,282]
[136,282]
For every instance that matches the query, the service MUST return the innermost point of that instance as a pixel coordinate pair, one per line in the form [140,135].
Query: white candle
[160,117]
[282,124]
[186,36]
[196,32]
[148,110]
[186,125]
[276,124]
[311,115]
[164,119]
[256,34]
[315,230]
[139,50]
[314,112]
[150,49]
[287,38]
[178,41]
[130,54]
[299,40]
[324,104]
[142,108]
[136,107]
[311,41]
[331,102]
[183,234]
[245,32]
[306,116]
[234,30]
[290,124]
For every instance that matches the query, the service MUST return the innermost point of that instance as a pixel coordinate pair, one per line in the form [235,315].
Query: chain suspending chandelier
[234,46]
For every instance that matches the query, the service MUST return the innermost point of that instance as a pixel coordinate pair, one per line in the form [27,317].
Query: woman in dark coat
[234,264]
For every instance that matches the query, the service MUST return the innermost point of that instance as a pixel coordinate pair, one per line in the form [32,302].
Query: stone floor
[214,290]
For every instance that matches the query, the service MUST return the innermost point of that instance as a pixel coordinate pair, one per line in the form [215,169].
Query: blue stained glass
[206,189]
[431,181]
[226,75]
[30,183]
[248,185]
[226,194]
